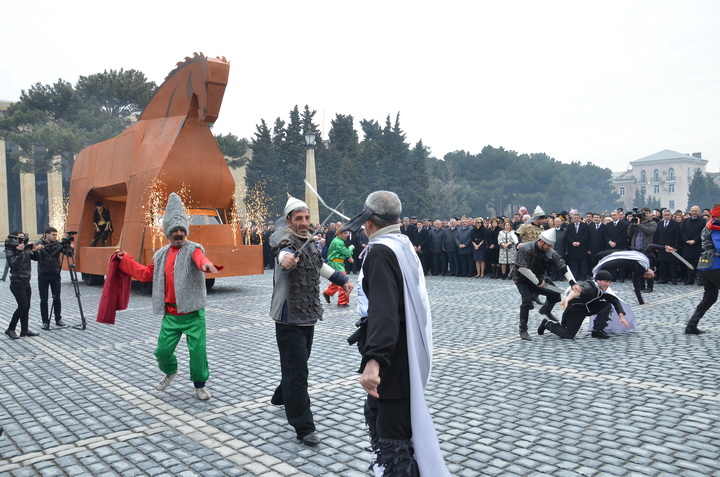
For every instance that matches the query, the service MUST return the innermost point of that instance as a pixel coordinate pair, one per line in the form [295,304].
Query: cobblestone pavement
[79,402]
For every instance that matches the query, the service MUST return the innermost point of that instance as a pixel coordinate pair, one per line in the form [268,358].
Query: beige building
[665,175]
[28,197]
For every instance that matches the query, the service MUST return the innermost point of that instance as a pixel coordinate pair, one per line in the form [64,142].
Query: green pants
[173,327]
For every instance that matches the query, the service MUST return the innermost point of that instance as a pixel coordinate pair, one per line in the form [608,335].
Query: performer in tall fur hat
[179,294]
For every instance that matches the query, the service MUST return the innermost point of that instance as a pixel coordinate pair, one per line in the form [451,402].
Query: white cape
[613,324]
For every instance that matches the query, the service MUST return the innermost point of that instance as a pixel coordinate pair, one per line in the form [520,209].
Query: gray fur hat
[175,217]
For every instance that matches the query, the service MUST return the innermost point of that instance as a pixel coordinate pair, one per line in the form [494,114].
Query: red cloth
[116,292]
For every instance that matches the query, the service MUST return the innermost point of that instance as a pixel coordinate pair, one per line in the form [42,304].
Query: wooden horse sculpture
[171,145]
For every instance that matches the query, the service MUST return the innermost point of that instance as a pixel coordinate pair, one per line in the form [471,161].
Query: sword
[345,217]
[677,255]
[554,288]
[297,252]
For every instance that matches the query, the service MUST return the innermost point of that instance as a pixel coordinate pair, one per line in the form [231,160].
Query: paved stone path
[83,403]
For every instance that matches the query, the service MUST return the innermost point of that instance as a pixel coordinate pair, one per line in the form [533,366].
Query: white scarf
[639,257]
[418,326]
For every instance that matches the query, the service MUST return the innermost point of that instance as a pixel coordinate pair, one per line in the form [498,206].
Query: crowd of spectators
[481,247]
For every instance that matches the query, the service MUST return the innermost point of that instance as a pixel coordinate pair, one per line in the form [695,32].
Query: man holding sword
[296,308]
[532,262]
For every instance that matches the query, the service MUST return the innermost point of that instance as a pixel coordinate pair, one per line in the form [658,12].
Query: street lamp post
[311,197]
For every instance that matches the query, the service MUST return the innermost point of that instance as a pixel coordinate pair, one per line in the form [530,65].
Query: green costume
[338,253]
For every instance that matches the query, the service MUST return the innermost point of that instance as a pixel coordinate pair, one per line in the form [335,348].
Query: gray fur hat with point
[175,217]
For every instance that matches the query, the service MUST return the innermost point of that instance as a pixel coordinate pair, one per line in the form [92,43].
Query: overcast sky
[604,82]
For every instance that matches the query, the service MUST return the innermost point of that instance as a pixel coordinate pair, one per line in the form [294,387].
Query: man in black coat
[577,244]
[451,248]
[690,231]
[436,240]
[598,238]
[667,234]
[591,300]
[420,241]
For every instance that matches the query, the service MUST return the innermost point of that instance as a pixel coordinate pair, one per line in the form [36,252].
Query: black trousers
[53,282]
[102,233]
[393,418]
[574,315]
[440,263]
[295,344]
[526,290]
[22,293]
[711,284]
[667,270]
[454,261]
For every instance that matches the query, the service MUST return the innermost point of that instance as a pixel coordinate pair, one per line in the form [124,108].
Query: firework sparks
[257,205]
[235,212]
[59,212]
[151,216]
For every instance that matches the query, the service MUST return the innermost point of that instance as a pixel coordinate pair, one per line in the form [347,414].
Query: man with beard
[179,294]
[296,308]
[532,261]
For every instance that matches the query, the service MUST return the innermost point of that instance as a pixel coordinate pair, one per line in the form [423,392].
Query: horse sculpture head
[195,88]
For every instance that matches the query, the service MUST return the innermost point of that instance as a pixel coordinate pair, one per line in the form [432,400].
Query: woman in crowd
[479,238]
[507,241]
[493,249]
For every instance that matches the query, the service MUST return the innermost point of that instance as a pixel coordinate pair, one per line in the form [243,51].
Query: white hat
[549,236]
[538,213]
[294,204]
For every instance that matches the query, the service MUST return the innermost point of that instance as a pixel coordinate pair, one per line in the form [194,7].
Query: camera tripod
[70,257]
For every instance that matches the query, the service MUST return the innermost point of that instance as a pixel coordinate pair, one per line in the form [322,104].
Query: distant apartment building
[665,175]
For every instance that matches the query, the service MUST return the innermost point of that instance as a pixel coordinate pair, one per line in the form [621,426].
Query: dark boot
[541,328]
[524,315]
[397,457]
[691,327]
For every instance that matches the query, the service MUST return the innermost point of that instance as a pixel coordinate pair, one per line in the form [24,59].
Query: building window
[671,174]
[671,189]
[656,189]
[622,192]
[643,191]
[643,177]
[656,175]
[672,204]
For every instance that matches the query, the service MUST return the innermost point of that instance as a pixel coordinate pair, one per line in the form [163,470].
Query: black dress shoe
[541,328]
[310,439]
[326,296]
[599,334]
[524,335]
[59,323]
[28,333]
[45,326]
[650,290]
[346,305]
[11,334]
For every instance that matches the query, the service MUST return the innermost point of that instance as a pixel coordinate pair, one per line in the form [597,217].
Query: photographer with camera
[641,232]
[19,253]
[49,268]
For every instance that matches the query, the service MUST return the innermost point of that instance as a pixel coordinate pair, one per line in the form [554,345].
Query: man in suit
[617,236]
[598,238]
[451,248]
[420,243]
[437,248]
[667,234]
[577,244]
[463,240]
[690,231]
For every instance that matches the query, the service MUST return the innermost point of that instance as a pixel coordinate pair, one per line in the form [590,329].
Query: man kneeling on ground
[591,300]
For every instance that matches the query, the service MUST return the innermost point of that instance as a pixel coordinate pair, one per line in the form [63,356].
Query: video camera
[12,241]
[638,214]
[70,238]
